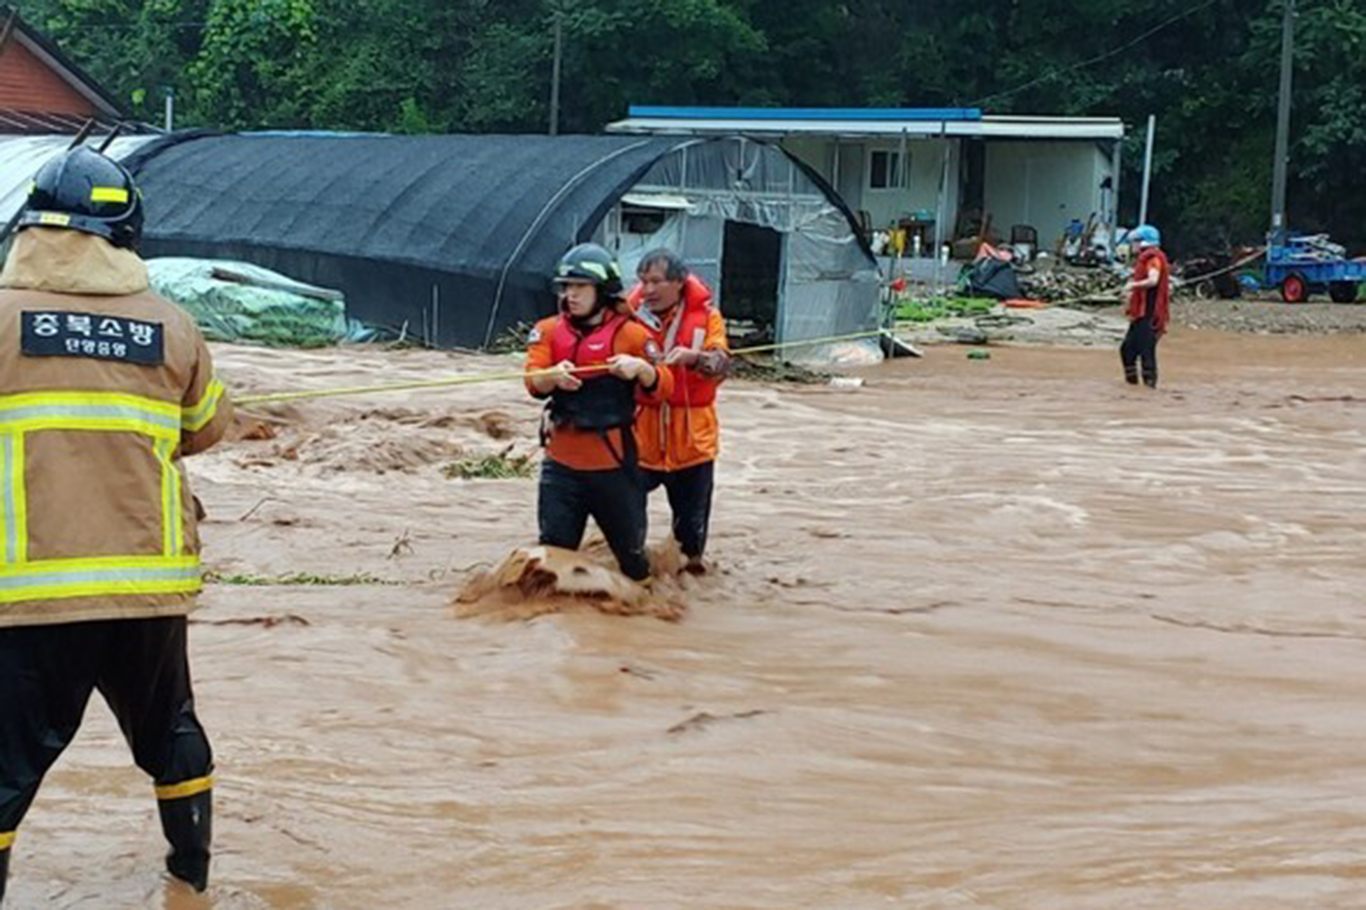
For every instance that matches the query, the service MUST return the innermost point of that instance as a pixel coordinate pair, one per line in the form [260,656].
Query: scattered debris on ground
[512,340]
[935,309]
[1003,324]
[1270,316]
[1098,285]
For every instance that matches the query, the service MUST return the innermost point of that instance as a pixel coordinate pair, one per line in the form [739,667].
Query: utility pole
[555,73]
[1147,169]
[1282,161]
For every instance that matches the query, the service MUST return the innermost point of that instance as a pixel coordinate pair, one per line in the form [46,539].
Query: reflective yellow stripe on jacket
[170,572]
[197,418]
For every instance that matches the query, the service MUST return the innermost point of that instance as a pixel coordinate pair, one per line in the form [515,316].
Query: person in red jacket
[678,435]
[1149,308]
[591,361]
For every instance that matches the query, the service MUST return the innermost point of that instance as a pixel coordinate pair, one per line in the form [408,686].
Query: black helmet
[82,190]
[590,262]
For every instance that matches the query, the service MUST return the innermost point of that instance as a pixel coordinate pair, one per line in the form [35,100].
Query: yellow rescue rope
[337,392]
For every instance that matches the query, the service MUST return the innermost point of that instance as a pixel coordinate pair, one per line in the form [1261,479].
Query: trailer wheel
[1343,291]
[1294,289]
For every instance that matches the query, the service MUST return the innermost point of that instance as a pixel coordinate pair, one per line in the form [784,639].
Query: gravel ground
[1267,317]
[1091,327]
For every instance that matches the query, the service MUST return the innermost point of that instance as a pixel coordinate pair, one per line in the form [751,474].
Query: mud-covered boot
[4,872]
[696,565]
[1131,373]
[188,825]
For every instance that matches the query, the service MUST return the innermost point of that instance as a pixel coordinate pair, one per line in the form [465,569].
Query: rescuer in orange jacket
[677,434]
[603,361]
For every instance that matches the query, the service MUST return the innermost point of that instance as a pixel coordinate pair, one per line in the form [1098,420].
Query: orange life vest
[603,401]
[685,328]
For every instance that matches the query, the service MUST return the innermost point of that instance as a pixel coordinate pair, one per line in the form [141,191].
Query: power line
[1094,60]
[130,26]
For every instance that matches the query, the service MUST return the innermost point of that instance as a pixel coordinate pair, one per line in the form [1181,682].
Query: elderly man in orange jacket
[678,436]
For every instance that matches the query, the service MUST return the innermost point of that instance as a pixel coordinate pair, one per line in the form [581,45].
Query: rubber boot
[1150,378]
[4,872]
[188,825]
[1131,373]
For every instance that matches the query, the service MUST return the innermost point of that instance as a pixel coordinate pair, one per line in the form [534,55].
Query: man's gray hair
[675,269]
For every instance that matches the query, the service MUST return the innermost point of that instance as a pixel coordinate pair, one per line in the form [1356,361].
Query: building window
[639,220]
[884,171]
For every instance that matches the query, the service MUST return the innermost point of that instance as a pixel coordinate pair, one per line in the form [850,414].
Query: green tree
[253,63]
[135,48]
[1206,68]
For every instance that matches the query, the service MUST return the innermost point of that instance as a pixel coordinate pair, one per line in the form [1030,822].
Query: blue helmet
[1146,233]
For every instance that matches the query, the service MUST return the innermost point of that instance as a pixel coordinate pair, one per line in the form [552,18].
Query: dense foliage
[1206,68]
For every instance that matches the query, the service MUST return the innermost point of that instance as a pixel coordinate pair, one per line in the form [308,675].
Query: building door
[751,271]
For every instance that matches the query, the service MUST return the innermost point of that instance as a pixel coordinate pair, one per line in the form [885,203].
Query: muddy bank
[998,633]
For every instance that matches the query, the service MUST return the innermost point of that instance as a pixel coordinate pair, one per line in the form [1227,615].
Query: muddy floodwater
[984,634]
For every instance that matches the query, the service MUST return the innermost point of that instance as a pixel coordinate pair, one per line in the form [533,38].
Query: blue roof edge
[805,113]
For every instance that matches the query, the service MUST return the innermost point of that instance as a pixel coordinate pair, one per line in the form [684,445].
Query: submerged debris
[537,580]
[778,371]
[499,466]
[703,719]
[265,622]
[296,579]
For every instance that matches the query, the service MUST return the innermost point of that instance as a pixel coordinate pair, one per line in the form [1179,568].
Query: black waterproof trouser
[1140,347]
[689,492]
[141,668]
[614,499]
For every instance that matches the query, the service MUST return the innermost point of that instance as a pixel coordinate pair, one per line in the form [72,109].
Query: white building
[934,171]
